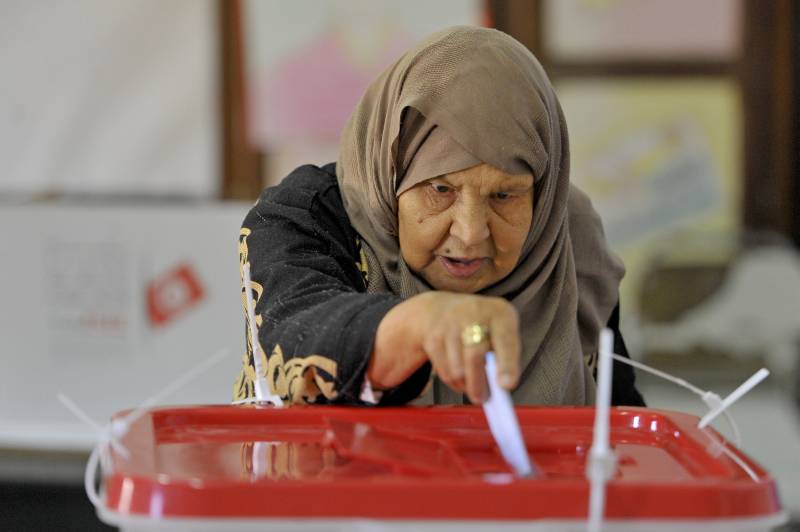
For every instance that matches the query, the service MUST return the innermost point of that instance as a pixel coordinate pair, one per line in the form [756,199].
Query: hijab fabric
[468,95]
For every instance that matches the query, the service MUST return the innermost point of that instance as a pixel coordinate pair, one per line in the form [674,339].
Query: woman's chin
[449,283]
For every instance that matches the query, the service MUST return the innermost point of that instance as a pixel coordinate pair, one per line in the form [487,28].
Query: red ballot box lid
[424,463]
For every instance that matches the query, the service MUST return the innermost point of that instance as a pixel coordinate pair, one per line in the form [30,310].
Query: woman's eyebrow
[518,182]
[442,177]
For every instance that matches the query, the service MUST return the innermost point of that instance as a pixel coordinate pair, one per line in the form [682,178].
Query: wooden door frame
[242,164]
[766,72]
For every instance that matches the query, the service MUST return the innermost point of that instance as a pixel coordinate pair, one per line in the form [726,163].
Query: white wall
[112,97]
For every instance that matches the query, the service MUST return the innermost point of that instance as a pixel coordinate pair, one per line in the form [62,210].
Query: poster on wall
[596,30]
[309,61]
[656,157]
[110,305]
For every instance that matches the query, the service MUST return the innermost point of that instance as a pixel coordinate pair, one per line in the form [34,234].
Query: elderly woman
[448,228]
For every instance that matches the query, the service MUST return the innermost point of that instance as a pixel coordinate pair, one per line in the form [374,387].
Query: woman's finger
[474,364]
[434,347]
[455,360]
[507,347]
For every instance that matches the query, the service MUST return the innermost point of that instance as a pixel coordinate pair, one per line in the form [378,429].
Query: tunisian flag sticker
[173,293]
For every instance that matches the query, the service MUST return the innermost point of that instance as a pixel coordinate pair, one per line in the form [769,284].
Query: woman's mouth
[458,267]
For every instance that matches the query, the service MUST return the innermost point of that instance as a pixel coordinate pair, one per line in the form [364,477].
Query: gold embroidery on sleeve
[301,379]
[244,386]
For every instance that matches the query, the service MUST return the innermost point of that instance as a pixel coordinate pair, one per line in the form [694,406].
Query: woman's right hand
[431,325]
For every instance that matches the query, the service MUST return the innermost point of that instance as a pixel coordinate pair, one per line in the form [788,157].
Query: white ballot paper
[502,419]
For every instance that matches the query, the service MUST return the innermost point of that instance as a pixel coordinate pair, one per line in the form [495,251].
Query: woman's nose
[470,224]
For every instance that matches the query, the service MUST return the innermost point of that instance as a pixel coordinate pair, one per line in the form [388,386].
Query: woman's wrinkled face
[464,231]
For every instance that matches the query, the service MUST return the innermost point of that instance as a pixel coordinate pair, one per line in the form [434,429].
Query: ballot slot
[423,463]
[426,441]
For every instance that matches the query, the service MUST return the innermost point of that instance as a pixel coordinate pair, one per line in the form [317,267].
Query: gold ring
[474,335]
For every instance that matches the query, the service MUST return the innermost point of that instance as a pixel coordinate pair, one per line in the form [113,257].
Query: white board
[74,316]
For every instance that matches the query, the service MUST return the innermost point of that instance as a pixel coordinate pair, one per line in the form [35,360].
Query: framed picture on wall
[638,30]
[657,157]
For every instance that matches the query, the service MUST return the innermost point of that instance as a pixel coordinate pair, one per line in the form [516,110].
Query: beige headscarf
[489,94]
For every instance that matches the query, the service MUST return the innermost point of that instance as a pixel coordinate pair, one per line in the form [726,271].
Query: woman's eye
[502,196]
[441,189]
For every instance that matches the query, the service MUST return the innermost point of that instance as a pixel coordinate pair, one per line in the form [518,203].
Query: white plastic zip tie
[658,373]
[103,433]
[717,406]
[105,436]
[734,396]
[110,434]
[720,448]
[89,474]
[125,422]
[711,399]
[263,394]
[602,460]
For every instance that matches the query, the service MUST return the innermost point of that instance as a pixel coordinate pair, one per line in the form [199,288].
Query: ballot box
[233,468]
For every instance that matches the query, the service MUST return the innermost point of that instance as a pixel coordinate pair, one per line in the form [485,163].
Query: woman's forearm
[397,353]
